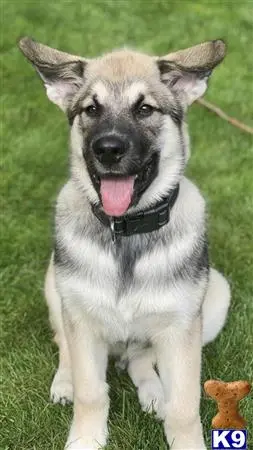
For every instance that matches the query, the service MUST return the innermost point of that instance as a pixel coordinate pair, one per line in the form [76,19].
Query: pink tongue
[116,195]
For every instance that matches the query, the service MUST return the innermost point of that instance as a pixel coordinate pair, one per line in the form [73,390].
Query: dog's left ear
[186,72]
[62,73]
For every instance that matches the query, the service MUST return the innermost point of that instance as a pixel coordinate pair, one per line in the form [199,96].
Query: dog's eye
[92,110]
[145,110]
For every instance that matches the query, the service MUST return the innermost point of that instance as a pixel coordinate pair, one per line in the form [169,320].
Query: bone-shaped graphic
[228,396]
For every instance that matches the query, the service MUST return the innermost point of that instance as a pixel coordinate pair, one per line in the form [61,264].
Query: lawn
[35,165]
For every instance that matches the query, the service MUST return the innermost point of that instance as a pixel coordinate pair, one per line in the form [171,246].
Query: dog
[129,273]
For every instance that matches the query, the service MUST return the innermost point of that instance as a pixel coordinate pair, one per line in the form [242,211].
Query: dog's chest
[128,287]
[126,253]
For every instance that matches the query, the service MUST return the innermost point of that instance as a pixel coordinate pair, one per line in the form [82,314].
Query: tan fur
[123,64]
[207,54]
[40,53]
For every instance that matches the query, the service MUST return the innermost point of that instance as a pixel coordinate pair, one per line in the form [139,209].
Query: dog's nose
[109,149]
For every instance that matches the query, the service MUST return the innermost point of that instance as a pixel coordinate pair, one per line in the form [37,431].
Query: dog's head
[128,136]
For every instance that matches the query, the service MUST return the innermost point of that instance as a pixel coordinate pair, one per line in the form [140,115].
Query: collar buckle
[142,222]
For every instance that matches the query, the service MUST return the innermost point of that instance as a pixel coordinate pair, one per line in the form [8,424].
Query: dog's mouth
[116,194]
[120,191]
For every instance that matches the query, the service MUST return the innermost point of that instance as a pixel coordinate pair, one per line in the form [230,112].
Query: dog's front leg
[91,402]
[179,360]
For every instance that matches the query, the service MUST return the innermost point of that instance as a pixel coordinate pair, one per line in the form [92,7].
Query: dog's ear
[187,71]
[61,72]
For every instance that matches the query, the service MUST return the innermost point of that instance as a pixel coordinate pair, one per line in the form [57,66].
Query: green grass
[34,155]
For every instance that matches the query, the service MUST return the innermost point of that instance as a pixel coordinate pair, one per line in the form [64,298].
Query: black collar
[143,221]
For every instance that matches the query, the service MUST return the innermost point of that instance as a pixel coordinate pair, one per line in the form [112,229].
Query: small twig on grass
[224,116]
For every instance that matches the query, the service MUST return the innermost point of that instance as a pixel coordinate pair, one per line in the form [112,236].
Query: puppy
[130,268]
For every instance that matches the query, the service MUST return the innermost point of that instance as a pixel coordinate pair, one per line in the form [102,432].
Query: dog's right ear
[61,72]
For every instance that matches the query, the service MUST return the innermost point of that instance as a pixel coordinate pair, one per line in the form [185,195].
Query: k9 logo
[229,439]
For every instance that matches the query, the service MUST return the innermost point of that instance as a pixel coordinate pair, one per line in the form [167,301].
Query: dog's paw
[151,397]
[87,433]
[76,446]
[79,444]
[62,389]
[182,435]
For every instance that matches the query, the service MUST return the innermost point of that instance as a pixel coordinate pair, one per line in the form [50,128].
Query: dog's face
[119,117]
[126,110]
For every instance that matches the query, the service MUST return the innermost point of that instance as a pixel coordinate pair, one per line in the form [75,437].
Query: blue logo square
[229,439]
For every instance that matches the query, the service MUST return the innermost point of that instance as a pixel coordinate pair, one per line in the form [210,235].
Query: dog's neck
[150,219]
